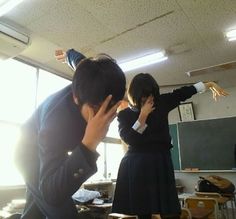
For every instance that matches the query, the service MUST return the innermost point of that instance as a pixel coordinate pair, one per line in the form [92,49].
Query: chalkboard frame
[191,137]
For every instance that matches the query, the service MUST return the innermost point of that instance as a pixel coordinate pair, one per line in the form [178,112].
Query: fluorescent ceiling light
[7,5]
[143,61]
[231,35]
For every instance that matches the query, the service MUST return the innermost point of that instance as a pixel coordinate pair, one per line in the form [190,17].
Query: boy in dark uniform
[74,119]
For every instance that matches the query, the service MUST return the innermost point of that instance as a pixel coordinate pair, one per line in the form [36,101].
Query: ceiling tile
[31,10]
[121,15]
[69,24]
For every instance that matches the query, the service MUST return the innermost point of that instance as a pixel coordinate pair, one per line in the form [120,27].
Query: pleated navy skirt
[146,185]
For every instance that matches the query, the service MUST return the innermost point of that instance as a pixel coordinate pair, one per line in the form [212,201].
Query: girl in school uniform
[146,183]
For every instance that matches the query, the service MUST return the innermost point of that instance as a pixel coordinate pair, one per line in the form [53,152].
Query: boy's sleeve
[61,175]
[73,58]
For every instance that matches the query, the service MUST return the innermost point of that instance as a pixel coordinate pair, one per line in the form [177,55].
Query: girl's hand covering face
[147,106]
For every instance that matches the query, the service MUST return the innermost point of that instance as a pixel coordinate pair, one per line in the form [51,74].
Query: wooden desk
[222,202]
[102,206]
[94,211]
[183,196]
[120,216]
[232,197]
[200,213]
[180,189]
[103,209]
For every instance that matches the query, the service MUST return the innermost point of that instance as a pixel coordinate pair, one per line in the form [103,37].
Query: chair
[203,203]
[185,214]
[232,199]
[121,216]
[222,202]
[156,216]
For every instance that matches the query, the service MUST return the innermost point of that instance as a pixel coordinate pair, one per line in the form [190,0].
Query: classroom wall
[206,108]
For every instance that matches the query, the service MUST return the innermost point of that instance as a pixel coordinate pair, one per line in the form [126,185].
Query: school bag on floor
[213,183]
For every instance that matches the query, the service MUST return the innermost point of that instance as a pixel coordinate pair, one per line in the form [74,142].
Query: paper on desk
[84,195]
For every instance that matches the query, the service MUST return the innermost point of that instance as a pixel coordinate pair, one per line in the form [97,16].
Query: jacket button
[76,175]
[81,171]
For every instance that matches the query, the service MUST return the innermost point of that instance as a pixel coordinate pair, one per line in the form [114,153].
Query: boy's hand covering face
[98,123]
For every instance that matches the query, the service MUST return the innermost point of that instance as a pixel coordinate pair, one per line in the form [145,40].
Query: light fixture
[231,35]
[143,61]
[7,5]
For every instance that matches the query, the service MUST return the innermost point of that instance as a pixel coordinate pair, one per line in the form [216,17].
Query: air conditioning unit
[12,41]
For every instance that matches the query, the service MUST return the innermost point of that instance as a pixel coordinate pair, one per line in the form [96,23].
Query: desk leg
[233,208]
[233,205]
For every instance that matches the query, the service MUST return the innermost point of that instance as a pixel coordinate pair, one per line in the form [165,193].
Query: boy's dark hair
[142,85]
[95,79]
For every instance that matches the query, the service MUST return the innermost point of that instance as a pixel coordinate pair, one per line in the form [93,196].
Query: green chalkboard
[175,149]
[208,144]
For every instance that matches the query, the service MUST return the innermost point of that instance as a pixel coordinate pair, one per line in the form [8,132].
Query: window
[18,89]
[113,130]
[114,154]
[17,95]
[99,175]
[49,83]
[111,154]
[108,161]
[9,173]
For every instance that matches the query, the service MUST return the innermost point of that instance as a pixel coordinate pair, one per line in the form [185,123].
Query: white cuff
[200,87]
[137,127]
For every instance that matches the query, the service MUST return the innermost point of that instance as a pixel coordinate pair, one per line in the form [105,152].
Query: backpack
[215,183]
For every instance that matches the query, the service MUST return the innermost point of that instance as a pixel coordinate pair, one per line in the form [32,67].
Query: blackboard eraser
[195,169]
[234,168]
[187,169]
[191,169]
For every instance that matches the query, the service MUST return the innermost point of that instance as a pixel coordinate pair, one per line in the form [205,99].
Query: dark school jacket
[56,128]
[156,136]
